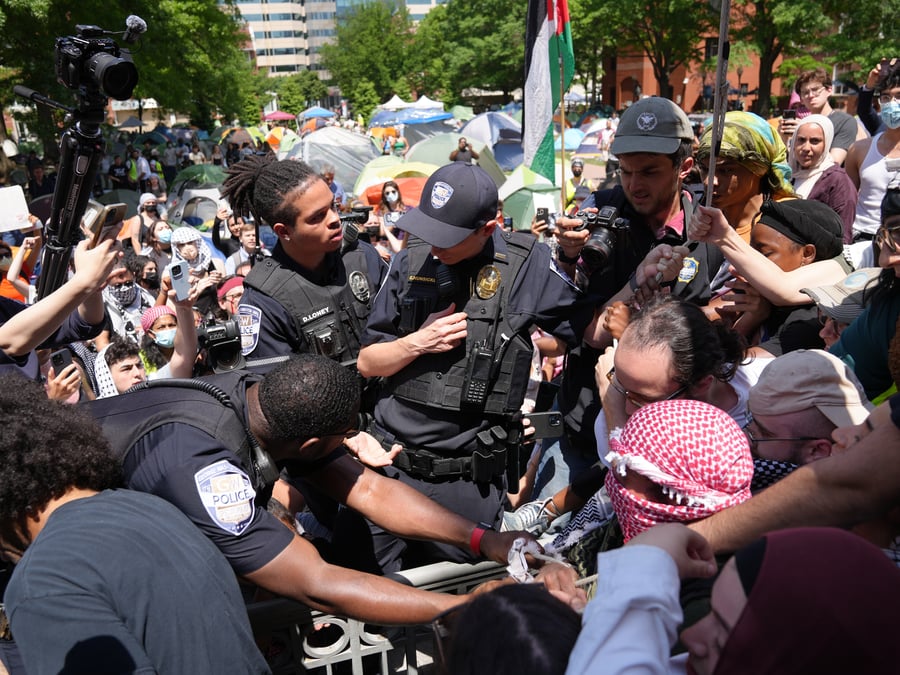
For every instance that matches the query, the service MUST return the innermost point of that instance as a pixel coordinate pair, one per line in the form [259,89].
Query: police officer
[314,293]
[215,448]
[450,330]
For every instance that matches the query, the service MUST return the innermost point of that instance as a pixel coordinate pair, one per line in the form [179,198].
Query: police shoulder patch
[688,270]
[249,318]
[227,494]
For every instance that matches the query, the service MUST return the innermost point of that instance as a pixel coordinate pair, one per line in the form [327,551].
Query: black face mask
[152,280]
[576,172]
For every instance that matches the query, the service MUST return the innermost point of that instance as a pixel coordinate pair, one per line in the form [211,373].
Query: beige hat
[810,378]
[843,301]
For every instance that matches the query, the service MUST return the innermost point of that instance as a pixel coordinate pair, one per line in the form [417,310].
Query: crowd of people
[637,399]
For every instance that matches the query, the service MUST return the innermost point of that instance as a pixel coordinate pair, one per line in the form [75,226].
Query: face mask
[152,280]
[164,236]
[165,338]
[151,209]
[576,171]
[890,115]
[391,197]
[5,262]
[125,294]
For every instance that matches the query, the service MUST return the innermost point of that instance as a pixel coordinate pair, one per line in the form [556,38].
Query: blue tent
[315,111]
[391,118]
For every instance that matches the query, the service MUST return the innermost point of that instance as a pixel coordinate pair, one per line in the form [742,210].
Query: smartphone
[546,424]
[103,221]
[181,281]
[542,214]
[61,360]
[789,115]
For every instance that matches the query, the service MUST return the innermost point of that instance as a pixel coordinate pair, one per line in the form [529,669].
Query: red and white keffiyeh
[694,451]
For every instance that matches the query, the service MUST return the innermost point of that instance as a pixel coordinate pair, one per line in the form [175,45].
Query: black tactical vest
[125,419]
[329,318]
[439,380]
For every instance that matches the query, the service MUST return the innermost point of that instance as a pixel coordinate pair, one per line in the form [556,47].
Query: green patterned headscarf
[751,141]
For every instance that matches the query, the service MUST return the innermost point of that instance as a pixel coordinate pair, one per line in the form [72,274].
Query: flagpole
[562,127]
[721,97]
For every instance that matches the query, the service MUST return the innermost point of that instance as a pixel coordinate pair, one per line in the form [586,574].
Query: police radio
[480,367]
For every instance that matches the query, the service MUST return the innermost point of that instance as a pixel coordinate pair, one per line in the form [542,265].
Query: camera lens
[117,77]
[598,249]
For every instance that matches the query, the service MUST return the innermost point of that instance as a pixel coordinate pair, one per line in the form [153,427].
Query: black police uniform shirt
[540,294]
[267,329]
[73,329]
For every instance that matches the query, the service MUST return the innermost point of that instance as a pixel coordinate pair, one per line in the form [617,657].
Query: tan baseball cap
[810,378]
[843,301]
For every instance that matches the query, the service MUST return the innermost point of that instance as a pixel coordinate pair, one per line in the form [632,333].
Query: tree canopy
[189,59]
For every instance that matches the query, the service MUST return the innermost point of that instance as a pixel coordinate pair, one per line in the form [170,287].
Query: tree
[777,28]
[299,91]
[589,44]
[371,43]
[190,50]
[485,46]
[363,99]
[665,31]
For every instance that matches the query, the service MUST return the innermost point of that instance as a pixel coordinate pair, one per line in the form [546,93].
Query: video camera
[92,65]
[222,341]
[359,215]
[606,227]
[93,61]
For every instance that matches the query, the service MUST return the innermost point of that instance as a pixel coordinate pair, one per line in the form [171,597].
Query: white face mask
[391,197]
[5,262]
[890,114]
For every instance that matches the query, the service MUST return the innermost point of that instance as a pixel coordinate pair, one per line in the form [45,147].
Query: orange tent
[410,189]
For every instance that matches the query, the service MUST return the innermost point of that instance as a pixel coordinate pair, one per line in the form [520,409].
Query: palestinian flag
[548,56]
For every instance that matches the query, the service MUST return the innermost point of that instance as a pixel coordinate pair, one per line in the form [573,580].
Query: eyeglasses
[637,400]
[754,440]
[885,237]
[888,98]
[812,93]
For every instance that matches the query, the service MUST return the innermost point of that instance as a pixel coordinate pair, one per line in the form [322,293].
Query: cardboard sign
[13,209]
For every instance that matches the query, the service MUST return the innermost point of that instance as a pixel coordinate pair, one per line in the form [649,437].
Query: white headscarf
[805,179]
[184,235]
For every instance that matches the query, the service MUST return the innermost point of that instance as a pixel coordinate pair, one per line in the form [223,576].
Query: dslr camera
[222,341]
[93,61]
[606,227]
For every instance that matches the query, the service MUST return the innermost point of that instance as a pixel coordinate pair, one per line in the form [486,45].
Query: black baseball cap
[457,199]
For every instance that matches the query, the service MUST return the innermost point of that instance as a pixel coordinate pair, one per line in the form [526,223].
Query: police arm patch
[227,494]
[249,320]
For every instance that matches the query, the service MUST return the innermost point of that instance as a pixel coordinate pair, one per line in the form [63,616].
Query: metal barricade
[350,646]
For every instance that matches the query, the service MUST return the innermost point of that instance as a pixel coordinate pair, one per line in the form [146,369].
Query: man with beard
[575,181]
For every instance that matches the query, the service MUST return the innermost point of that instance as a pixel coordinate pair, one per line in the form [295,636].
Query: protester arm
[184,354]
[631,624]
[30,327]
[15,268]
[775,285]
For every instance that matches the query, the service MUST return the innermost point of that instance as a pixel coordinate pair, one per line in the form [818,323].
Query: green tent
[524,192]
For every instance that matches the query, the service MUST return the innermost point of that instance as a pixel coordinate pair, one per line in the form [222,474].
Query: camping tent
[417,124]
[315,111]
[437,149]
[501,133]
[573,139]
[347,151]
[523,193]
[278,116]
[386,167]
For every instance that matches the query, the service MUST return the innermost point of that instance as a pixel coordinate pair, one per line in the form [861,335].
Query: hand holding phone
[60,360]
[546,424]
[181,281]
